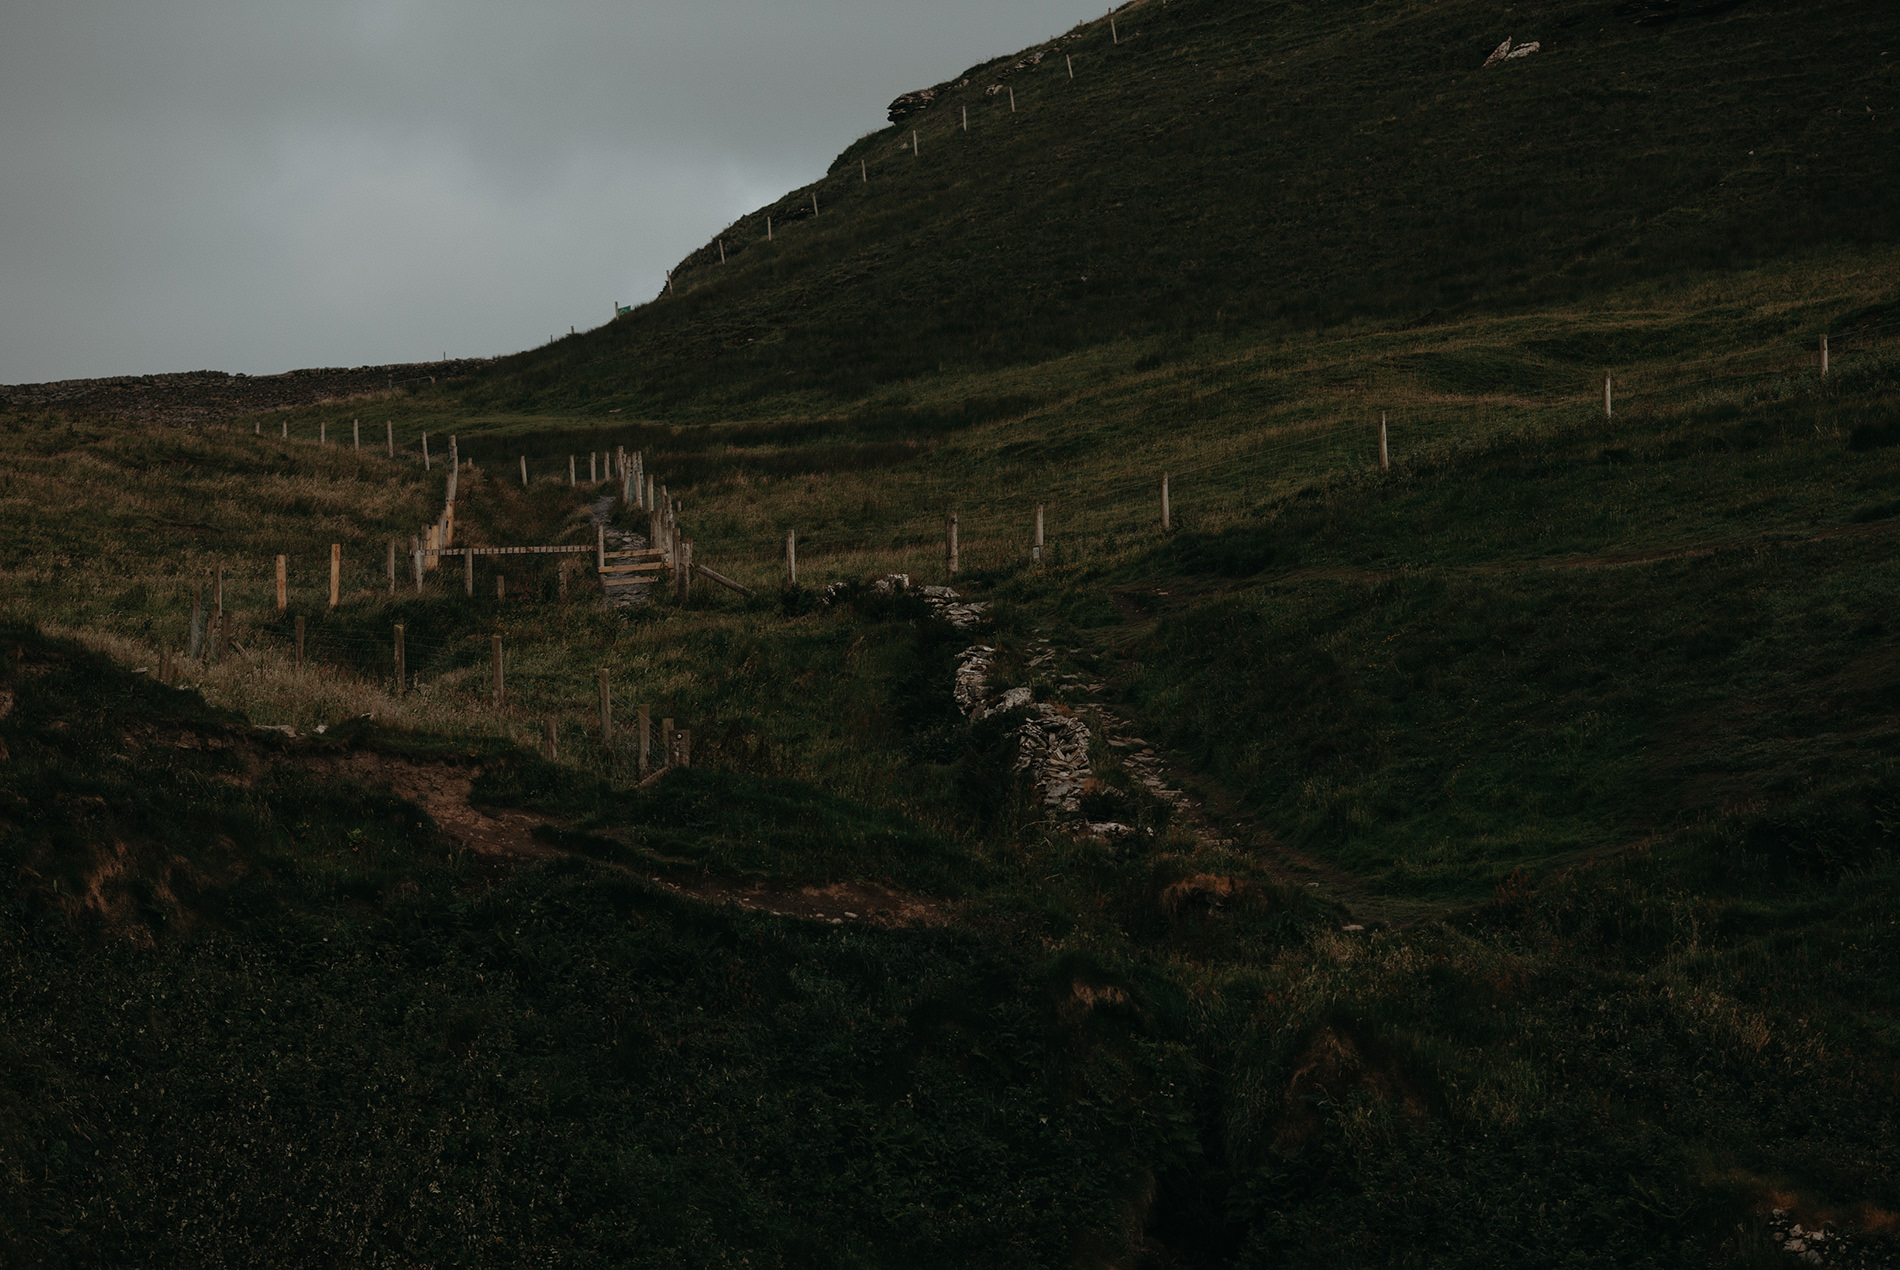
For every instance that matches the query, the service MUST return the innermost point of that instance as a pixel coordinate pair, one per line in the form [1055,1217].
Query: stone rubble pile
[1052,745]
[1823,1245]
[1505,53]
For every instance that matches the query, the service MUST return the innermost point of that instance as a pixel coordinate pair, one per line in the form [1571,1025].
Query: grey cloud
[259,186]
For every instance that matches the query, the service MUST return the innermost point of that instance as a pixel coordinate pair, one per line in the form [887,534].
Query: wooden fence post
[814,204]
[1608,410]
[283,585]
[300,643]
[646,739]
[1114,37]
[1167,510]
[966,118]
[356,435]
[392,566]
[283,429]
[496,659]
[468,573]
[501,586]
[1036,553]
[1385,457]
[415,554]
[425,451]
[524,471]
[768,229]
[195,641]
[593,467]
[389,438]
[666,742]
[1012,101]
[913,143]
[570,471]
[217,591]
[600,547]
[864,173]
[950,545]
[323,433]
[1070,63]
[402,670]
[685,569]
[551,747]
[791,558]
[336,572]
[1824,357]
[650,496]
[606,710]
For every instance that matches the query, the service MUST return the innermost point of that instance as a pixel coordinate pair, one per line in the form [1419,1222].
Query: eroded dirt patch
[840,903]
[442,790]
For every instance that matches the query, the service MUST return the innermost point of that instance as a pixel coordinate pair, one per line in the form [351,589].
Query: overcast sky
[250,185]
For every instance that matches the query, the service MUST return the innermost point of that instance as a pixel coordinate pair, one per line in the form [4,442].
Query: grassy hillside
[1535,899]
[1270,166]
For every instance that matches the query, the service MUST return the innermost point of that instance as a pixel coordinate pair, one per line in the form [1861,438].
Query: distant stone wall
[200,396]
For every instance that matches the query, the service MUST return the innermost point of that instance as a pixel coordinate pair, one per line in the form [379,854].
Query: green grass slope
[1239,166]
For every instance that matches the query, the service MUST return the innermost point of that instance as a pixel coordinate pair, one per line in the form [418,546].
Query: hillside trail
[506,839]
[621,592]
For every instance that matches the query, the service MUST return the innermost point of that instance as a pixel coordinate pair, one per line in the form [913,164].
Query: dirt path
[506,838]
[623,592]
